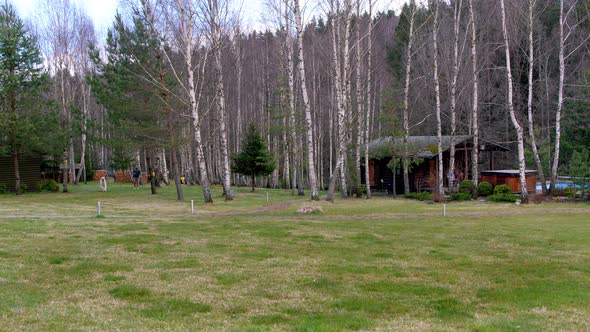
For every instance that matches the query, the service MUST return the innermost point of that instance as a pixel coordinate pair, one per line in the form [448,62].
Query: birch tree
[187,20]
[293,142]
[342,94]
[475,101]
[60,34]
[85,38]
[359,102]
[406,111]
[510,102]
[558,111]
[531,65]
[308,119]
[458,5]
[216,44]
[368,98]
[440,173]
[563,47]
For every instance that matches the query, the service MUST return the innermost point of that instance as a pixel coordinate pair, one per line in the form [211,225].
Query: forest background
[176,83]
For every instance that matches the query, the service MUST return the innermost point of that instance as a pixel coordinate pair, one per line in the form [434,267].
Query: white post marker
[444,210]
[267,198]
[98,210]
[192,206]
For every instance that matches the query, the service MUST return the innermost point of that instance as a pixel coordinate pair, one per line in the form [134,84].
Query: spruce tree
[134,87]
[25,124]
[254,159]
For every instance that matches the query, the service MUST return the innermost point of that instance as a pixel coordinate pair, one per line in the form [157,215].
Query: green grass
[395,265]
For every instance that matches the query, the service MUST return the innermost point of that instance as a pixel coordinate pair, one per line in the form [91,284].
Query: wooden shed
[511,177]
[30,172]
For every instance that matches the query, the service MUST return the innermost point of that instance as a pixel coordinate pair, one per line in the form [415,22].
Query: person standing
[135,176]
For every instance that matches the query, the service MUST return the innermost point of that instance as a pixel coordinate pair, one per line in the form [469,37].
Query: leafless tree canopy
[320,81]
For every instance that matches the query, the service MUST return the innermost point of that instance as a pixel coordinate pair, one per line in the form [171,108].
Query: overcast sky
[103,11]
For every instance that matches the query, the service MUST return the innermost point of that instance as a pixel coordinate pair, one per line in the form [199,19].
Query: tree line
[175,84]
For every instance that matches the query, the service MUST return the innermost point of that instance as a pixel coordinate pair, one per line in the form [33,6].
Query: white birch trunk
[291,99]
[406,116]
[286,153]
[341,114]
[530,98]
[308,120]
[359,104]
[164,168]
[238,54]
[345,127]
[475,110]
[453,101]
[220,99]
[83,135]
[187,35]
[66,124]
[368,96]
[555,167]
[515,123]
[440,183]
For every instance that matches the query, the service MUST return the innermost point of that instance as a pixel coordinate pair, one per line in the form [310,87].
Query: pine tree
[21,80]
[135,88]
[254,159]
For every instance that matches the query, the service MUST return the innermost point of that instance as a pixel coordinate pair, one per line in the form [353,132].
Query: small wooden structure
[30,172]
[423,175]
[424,149]
[510,177]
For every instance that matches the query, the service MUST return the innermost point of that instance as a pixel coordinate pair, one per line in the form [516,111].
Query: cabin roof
[419,146]
[507,172]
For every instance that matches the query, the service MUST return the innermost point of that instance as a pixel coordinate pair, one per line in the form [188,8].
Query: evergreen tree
[26,124]
[134,87]
[254,159]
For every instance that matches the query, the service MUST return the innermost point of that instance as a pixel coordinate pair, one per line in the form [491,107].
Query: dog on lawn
[103,183]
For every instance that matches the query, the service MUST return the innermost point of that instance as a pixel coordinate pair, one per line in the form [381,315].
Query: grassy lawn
[150,265]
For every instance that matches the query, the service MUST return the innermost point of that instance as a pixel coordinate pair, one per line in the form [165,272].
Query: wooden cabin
[30,172]
[511,177]
[423,151]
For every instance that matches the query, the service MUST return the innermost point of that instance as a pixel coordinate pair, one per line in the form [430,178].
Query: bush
[90,174]
[3,189]
[23,188]
[39,187]
[503,197]
[460,197]
[502,189]
[51,185]
[466,186]
[484,188]
[569,192]
[421,196]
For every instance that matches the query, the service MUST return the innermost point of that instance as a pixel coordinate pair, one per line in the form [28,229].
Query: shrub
[466,186]
[50,185]
[23,187]
[570,192]
[3,189]
[90,174]
[503,197]
[484,188]
[580,171]
[460,197]
[39,187]
[502,189]
[421,196]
